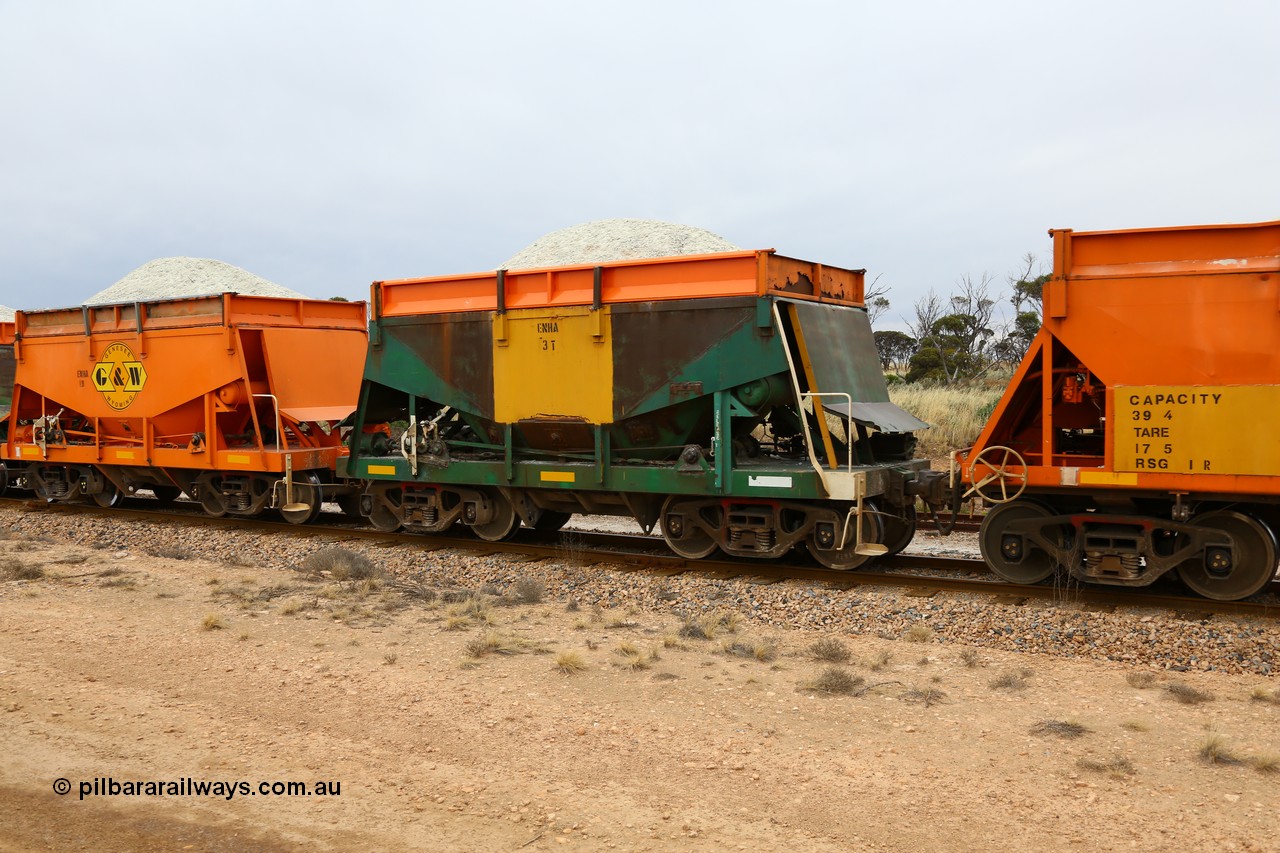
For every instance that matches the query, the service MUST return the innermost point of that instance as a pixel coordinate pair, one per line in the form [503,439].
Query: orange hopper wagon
[1137,437]
[232,399]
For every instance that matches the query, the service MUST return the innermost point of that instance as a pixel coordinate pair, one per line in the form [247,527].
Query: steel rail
[649,553]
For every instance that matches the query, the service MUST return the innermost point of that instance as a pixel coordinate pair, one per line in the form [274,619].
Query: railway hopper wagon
[735,401]
[232,399]
[1137,438]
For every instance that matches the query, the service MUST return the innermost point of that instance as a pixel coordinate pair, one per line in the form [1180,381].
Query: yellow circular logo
[119,376]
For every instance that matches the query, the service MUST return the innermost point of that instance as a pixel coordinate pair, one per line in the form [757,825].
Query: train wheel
[1011,555]
[166,494]
[306,500]
[504,523]
[683,536]
[1230,575]
[350,505]
[551,520]
[898,532]
[846,558]
[37,485]
[109,496]
[211,500]
[382,518]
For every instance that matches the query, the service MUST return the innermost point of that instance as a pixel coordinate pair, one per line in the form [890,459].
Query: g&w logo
[119,376]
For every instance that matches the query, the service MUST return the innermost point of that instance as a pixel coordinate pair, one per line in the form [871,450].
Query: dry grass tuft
[295,606]
[1069,729]
[493,643]
[567,663]
[1136,725]
[711,626]
[879,661]
[1266,763]
[957,414]
[632,658]
[527,590]
[1214,750]
[969,658]
[212,622]
[1014,679]
[341,564]
[929,696]
[413,589]
[1188,695]
[1262,694]
[761,650]
[835,681]
[1141,680]
[20,571]
[390,658]
[830,650]
[918,633]
[1117,767]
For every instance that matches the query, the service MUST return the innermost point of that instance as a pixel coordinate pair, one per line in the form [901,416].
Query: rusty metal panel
[673,352]
[795,277]
[447,358]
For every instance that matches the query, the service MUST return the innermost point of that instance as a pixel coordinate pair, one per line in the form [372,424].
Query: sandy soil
[111,667]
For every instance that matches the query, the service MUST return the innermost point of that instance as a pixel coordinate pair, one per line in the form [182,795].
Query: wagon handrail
[818,412]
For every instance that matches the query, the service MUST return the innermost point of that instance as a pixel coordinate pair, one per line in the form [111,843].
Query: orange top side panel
[187,313]
[753,273]
[1168,251]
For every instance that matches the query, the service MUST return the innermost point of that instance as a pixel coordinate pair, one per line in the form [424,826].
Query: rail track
[923,575]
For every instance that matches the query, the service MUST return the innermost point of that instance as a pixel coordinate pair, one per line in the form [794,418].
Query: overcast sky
[323,145]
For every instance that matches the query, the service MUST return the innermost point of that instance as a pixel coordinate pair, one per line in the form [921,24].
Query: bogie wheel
[552,520]
[1013,556]
[349,503]
[383,518]
[166,494]
[993,478]
[211,500]
[899,531]
[307,498]
[109,496]
[1235,573]
[847,558]
[36,483]
[504,522]
[681,534]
